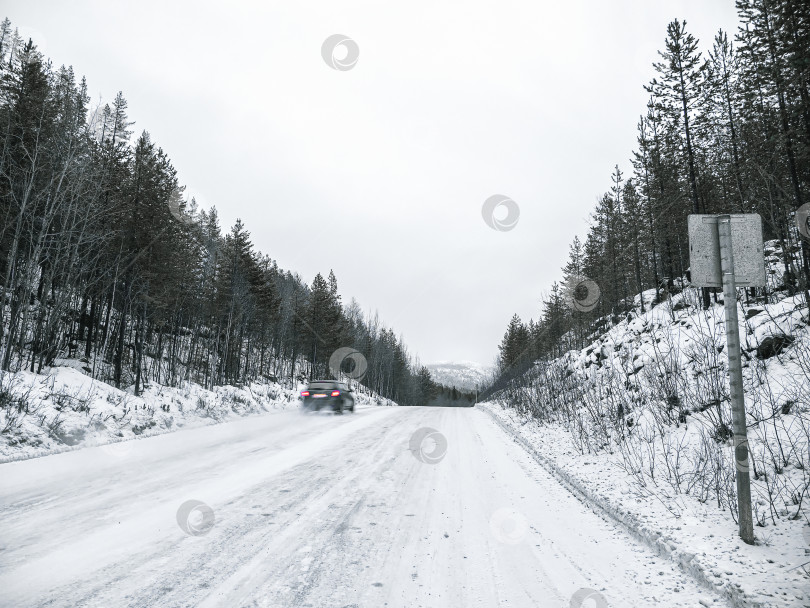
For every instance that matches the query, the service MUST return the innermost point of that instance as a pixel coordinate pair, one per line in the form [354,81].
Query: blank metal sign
[746,243]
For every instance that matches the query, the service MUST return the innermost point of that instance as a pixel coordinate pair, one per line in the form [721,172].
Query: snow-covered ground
[466,375]
[697,536]
[65,409]
[363,510]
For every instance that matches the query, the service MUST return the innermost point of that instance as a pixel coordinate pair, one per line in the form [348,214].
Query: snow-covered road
[322,511]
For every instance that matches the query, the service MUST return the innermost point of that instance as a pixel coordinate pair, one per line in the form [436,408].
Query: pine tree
[514,346]
[681,90]
[555,313]
[680,86]
[634,223]
[318,318]
[722,91]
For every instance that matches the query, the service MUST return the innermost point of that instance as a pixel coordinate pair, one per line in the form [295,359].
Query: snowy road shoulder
[767,574]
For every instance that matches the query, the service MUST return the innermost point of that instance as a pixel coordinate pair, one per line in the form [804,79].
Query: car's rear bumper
[331,403]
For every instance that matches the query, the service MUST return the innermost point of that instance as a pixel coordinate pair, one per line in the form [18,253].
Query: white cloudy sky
[380,172]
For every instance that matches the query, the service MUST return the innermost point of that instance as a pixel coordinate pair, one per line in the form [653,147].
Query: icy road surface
[322,511]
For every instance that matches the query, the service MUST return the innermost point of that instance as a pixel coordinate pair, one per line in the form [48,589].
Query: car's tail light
[305,393]
[335,393]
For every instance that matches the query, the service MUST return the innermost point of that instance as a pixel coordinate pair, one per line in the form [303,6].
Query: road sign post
[735,379]
[724,251]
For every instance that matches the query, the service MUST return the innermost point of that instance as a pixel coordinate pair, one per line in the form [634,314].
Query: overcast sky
[380,172]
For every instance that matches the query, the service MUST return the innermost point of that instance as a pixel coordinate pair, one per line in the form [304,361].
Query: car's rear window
[316,385]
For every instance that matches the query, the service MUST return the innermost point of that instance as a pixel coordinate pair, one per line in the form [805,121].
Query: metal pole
[735,380]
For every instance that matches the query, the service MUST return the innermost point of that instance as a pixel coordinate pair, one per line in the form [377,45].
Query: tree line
[103,259]
[724,131]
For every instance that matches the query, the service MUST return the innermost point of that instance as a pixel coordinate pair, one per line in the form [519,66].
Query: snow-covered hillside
[465,375]
[646,407]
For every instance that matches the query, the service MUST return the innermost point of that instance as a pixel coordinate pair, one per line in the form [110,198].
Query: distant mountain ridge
[461,374]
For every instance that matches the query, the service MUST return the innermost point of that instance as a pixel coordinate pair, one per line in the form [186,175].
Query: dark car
[327,394]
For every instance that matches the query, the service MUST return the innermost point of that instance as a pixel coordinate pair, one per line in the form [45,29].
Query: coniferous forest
[103,259]
[726,129]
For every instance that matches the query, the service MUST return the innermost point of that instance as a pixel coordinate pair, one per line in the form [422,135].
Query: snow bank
[699,538]
[65,409]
